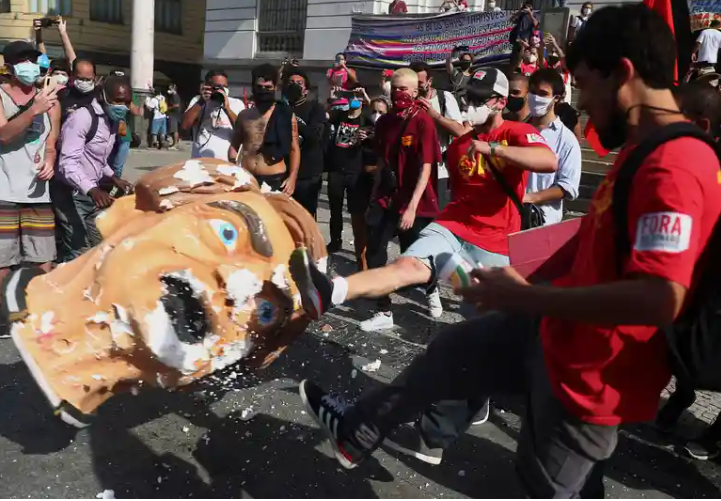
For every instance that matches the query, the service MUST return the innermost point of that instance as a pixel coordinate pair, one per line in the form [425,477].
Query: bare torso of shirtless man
[248,139]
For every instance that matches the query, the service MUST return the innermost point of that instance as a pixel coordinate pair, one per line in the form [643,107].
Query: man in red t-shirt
[397,7]
[474,227]
[600,359]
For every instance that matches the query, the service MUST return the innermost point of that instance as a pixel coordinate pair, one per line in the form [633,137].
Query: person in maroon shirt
[397,7]
[404,200]
[586,351]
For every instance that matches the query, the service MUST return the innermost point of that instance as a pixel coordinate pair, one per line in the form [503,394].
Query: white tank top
[20,159]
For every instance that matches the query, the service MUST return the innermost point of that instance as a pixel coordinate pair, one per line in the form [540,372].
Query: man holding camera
[211,117]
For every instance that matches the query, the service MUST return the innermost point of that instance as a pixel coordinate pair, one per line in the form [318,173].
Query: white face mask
[478,115]
[491,5]
[375,116]
[61,79]
[531,58]
[539,105]
[586,12]
[84,86]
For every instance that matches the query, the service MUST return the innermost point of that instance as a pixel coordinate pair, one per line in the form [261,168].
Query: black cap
[20,50]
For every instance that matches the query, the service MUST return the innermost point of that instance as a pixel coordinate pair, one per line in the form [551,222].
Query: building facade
[242,33]
[101,30]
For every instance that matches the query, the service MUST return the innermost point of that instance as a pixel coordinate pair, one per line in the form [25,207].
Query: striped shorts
[27,233]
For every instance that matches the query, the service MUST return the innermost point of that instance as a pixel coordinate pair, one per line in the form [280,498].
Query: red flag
[593,140]
[664,8]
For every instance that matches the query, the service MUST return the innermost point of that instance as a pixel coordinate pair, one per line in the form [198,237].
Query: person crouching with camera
[211,117]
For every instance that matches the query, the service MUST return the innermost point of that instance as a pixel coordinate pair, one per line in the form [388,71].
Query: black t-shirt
[311,126]
[71,99]
[174,99]
[345,151]
[567,114]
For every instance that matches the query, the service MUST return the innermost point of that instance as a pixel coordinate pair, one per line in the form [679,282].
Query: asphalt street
[246,435]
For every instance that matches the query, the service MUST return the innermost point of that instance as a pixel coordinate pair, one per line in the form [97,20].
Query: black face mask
[553,61]
[294,93]
[515,103]
[465,65]
[424,91]
[263,95]
[614,135]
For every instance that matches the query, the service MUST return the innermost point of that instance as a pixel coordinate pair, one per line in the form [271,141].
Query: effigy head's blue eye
[227,233]
[266,312]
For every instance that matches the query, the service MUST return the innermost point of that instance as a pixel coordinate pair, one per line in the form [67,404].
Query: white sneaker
[434,304]
[379,322]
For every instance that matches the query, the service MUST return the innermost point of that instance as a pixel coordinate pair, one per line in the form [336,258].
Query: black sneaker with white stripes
[328,411]
[315,288]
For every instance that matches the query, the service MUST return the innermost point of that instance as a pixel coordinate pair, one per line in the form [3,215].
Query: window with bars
[281,26]
[169,16]
[106,11]
[4,6]
[52,7]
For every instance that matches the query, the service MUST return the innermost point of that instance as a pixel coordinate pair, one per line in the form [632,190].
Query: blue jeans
[159,127]
[119,156]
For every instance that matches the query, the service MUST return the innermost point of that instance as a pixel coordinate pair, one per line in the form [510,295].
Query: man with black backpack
[86,142]
[587,351]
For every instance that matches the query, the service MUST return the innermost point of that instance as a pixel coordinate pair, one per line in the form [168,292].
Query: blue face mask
[116,112]
[27,72]
[355,104]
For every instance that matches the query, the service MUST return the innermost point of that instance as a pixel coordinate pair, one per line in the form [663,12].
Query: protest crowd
[451,161]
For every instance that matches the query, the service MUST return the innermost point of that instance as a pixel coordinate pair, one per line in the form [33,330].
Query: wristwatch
[493,145]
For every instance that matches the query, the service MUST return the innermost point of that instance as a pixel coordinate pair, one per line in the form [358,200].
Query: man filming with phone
[211,117]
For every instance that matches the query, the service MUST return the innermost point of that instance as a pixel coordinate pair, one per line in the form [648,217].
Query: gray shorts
[436,245]
[27,234]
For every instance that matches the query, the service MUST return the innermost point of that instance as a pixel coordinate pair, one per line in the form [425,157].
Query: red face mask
[401,100]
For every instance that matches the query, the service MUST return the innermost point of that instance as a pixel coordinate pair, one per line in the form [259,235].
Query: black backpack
[694,339]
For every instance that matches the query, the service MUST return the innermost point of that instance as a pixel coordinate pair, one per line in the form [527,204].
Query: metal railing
[281,27]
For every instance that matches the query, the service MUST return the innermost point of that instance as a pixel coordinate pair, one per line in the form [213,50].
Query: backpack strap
[627,171]
[498,176]
[442,101]
[94,123]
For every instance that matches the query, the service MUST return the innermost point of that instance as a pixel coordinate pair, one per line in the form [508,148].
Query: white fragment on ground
[168,190]
[462,473]
[186,429]
[98,377]
[384,352]
[106,494]
[372,367]
[247,414]
[354,373]
[194,173]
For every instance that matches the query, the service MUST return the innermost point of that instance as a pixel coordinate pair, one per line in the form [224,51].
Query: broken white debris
[462,473]
[194,173]
[383,352]
[278,277]
[353,373]
[168,190]
[242,177]
[46,322]
[247,414]
[242,285]
[106,494]
[186,429]
[166,204]
[265,188]
[372,367]
[100,317]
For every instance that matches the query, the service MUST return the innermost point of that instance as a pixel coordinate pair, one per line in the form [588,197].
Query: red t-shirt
[339,77]
[528,69]
[481,213]
[419,145]
[607,375]
[398,8]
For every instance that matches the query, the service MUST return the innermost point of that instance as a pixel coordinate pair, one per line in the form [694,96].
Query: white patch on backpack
[663,231]
[535,138]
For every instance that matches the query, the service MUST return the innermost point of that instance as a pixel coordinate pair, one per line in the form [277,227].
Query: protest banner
[383,41]
[702,12]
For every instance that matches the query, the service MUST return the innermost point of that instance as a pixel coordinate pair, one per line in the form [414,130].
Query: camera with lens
[217,94]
